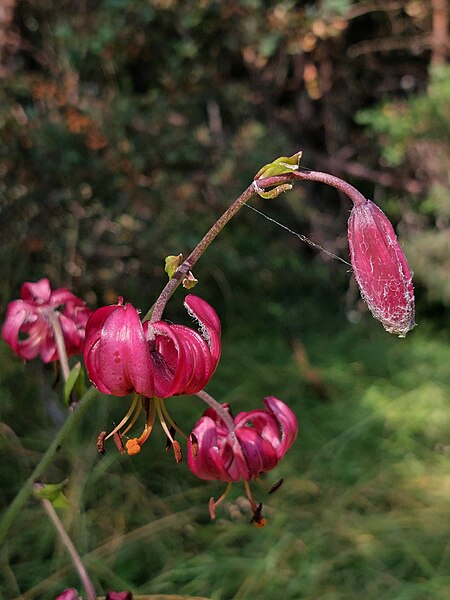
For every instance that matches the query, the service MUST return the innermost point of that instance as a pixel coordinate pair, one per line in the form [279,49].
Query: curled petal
[64,296]
[192,367]
[287,422]
[202,312]
[116,352]
[73,336]
[36,293]
[183,359]
[208,464]
[260,455]
[28,333]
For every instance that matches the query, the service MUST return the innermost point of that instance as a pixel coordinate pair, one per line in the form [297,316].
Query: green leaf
[61,501]
[189,281]
[75,383]
[49,491]
[270,194]
[53,493]
[172,263]
[280,166]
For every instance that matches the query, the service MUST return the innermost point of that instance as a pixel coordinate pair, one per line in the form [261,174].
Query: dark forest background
[126,128]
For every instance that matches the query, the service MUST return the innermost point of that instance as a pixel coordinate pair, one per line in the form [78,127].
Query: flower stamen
[257,520]
[213,504]
[170,420]
[133,418]
[127,416]
[167,430]
[149,406]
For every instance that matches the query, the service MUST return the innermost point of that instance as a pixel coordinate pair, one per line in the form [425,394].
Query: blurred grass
[363,511]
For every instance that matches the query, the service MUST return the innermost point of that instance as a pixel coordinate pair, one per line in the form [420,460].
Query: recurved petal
[78,312]
[181,359]
[116,353]
[170,363]
[37,293]
[73,336]
[234,459]
[208,463]
[263,422]
[209,322]
[287,421]
[199,363]
[63,296]
[260,455]
[24,319]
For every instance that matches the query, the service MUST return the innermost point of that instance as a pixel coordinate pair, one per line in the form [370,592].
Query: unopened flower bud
[380,268]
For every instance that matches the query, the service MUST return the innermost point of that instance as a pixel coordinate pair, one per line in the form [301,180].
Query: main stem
[76,559]
[49,456]
[60,344]
[208,238]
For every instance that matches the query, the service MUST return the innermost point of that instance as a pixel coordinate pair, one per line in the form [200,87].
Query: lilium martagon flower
[153,361]
[29,326]
[241,448]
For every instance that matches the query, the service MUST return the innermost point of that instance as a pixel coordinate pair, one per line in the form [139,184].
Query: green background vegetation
[126,128]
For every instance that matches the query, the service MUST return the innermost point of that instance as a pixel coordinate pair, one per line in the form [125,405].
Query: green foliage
[422,118]
[363,506]
[413,136]
[75,384]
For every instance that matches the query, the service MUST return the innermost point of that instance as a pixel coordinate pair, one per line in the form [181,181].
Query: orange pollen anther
[177,451]
[260,522]
[133,446]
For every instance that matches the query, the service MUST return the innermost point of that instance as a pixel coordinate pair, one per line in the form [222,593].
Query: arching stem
[220,410]
[355,196]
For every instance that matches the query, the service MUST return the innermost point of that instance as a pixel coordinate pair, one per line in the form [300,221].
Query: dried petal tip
[380,268]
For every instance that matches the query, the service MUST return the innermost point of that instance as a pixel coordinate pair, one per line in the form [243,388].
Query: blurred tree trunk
[9,39]
[439,37]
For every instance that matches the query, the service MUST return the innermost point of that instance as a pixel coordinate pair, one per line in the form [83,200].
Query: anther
[170,439]
[194,446]
[118,441]
[258,520]
[133,446]
[177,451]
[276,486]
[101,442]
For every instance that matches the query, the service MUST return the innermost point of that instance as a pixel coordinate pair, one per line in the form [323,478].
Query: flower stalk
[355,195]
[268,182]
[220,410]
[208,238]
[60,344]
[69,545]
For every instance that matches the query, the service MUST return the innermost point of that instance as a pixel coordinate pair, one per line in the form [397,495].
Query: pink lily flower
[29,323]
[380,268]
[230,449]
[122,355]
[153,360]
